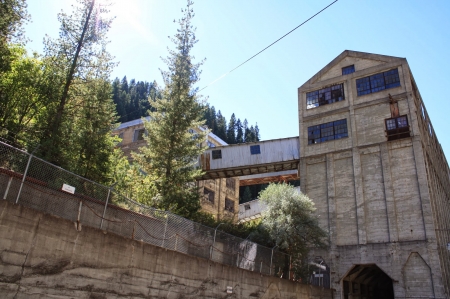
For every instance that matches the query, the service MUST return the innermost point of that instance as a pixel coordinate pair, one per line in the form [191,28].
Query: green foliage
[134,100]
[290,221]
[173,147]
[247,195]
[13,14]
[234,132]
[83,66]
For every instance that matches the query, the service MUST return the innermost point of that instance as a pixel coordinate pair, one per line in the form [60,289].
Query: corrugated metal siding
[272,151]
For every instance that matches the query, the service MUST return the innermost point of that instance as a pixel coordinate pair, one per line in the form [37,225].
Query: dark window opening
[255,149]
[217,154]
[348,69]
[138,135]
[378,82]
[397,128]
[247,207]
[328,131]
[229,205]
[324,96]
[208,195]
[231,183]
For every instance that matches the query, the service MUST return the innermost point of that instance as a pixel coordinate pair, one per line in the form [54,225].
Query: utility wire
[268,46]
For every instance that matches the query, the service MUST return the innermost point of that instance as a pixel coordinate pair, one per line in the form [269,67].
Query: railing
[35,183]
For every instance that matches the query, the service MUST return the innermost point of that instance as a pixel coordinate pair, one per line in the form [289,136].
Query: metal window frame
[324,96]
[209,193]
[228,207]
[216,154]
[373,82]
[397,130]
[338,128]
[348,69]
[255,149]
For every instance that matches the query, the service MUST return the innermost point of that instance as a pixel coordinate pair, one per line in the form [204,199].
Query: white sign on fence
[68,188]
[318,275]
[229,290]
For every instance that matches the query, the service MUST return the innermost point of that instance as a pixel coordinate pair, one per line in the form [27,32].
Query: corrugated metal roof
[138,121]
[131,123]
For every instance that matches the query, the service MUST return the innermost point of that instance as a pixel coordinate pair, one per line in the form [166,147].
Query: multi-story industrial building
[371,162]
[220,197]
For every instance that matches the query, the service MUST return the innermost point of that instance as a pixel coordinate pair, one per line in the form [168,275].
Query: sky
[264,90]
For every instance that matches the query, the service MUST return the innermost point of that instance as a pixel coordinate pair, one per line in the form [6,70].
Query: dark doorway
[367,282]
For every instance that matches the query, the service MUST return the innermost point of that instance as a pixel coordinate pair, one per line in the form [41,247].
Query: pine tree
[239,132]
[231,130]
[221,130]
[173,148]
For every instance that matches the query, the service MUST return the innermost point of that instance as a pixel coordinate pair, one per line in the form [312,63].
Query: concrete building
[371,162]
[220,197]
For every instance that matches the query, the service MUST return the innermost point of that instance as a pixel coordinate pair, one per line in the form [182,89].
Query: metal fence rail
[35,183]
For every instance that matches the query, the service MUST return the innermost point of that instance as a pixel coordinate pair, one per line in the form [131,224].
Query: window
[324,96]
[217,154]
[229,205]
[328,131]
[231,183]
[247,207]
[397,128]
[378,82]
[255,149]
[348,69]
[208,195]
[210,144]
[138,135]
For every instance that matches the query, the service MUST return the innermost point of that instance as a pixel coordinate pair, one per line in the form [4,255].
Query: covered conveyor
[250,158]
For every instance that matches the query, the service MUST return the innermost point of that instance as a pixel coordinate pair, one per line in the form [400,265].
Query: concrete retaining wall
[42,256]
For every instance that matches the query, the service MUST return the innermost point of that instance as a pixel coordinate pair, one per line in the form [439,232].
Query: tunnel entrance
[367,282]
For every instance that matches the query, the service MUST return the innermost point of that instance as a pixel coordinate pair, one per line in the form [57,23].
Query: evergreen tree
[221,130]
[173,149]
[231,131]
[239,132]
[247,196]
[257,136]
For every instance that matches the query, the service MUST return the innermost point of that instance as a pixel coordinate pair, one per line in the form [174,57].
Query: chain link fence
[35,183]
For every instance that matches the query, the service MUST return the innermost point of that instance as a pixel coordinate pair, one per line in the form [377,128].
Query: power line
[269,45]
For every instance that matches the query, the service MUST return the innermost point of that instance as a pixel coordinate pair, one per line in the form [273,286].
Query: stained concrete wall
[383,203]
[42,256]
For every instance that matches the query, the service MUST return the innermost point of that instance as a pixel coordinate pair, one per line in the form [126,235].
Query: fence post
[260,268]
[134,229]
[176,241]
[214,240]
[165,230]
[104,210]
[290,266]
[25,174]
[271,257]
[79,216]
[237,260]
[7,187]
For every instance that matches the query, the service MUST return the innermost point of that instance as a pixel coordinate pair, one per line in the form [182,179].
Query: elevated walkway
[250,158]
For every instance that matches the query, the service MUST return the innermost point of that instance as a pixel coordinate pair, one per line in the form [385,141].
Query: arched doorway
[367,282]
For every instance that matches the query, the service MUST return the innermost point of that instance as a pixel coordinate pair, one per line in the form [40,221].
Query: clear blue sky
[265,89]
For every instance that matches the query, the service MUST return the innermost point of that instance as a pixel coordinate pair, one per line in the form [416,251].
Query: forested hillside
[134,99]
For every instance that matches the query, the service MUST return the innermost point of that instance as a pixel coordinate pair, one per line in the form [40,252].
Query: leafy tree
[231,131]
[79,56]
[290,221]
[173,148]
[13,14]
[21,99]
